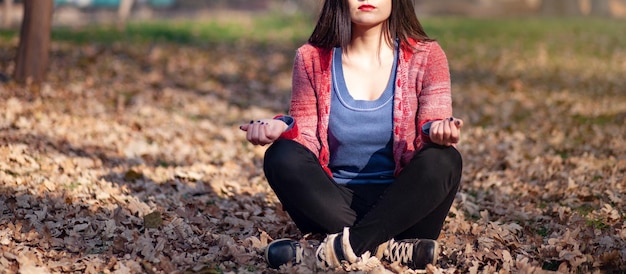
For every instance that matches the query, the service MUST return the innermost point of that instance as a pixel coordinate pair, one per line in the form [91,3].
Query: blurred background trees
[121,10]
[12,10]
[601,8]
[31,61]
[36,19]
[605,8]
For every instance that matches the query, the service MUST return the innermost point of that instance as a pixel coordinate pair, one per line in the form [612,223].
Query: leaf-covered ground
[129,159]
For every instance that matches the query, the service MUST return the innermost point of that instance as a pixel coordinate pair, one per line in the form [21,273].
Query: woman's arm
[435,101]
[303,106]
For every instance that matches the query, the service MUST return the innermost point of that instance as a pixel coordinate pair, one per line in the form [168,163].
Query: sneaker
[414,253]
[285,251]
[326,254]
[336,252]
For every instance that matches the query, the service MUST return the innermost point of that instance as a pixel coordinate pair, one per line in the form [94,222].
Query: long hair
[334,25]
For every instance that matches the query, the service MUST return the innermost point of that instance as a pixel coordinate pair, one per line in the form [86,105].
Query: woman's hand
[263,132]
[446,132]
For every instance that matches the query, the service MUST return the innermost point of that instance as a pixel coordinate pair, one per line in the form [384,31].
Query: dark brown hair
[334,26]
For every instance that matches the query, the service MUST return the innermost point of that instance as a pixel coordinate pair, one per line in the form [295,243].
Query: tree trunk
[123,13]
[560,7]
[32,54]
[601,8]
[7,13]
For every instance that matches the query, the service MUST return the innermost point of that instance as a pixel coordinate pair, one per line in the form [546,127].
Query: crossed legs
[414,206]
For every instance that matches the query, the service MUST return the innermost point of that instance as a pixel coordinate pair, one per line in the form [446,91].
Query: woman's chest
[367,81]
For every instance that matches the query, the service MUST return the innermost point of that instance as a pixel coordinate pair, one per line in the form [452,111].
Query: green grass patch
[595,120]
[72,186]
[542,231]
[587,36]
[584,209]
[179,32]
[597,224]
[263,28]
[7,34]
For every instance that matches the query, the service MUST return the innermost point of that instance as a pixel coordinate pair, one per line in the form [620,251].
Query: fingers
[245,127]
[250,132]
[263,132]
[436,132]
[455,134]
[458,123]
[446,132]
[447,129]
[440,132]
[256,133]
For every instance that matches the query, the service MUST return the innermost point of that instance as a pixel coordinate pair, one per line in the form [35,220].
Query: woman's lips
[366,7]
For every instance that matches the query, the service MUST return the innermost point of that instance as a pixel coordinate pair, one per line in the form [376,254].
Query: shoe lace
[400,252]
[299,254]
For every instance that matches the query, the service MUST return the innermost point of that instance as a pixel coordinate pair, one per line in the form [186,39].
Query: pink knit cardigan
[422,94]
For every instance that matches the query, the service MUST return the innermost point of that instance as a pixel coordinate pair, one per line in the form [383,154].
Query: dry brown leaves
[130,160]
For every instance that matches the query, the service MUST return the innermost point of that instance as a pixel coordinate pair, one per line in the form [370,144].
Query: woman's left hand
[446,132]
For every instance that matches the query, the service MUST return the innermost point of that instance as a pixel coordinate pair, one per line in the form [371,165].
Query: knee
[454,157]
[283,155]
[441,158]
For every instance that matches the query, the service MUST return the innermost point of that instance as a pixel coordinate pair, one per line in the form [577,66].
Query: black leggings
[414,206]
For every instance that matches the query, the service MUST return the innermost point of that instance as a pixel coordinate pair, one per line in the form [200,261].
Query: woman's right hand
[263,132]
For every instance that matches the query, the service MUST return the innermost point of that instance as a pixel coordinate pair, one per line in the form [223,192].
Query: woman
[367,154]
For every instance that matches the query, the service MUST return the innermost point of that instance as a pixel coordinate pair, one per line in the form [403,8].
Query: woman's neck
[368,43]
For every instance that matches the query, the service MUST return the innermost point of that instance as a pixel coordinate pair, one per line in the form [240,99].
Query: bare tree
[600,8]
[123,12]
[7,13]
[560,7]
[31,62]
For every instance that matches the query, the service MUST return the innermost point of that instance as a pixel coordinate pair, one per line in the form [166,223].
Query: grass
[594,37]
[587,36]
[268,28]
[259,29]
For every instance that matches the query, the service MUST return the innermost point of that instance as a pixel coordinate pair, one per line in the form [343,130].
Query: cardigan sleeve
[303,105]
[435,99]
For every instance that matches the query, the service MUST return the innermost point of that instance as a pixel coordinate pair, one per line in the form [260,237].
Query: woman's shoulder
[424,46]
[311,51]
[314,57]
[307,47]
[423,50]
